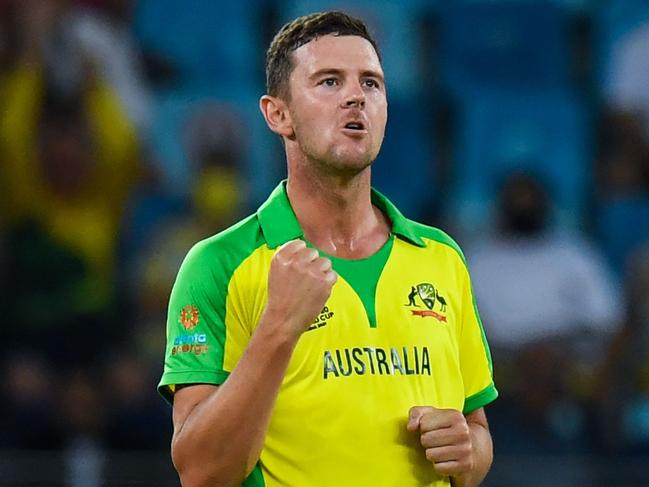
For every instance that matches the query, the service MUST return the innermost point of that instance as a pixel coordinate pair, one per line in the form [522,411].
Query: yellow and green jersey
[400,329]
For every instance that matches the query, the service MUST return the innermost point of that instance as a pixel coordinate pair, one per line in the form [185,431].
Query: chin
[351,165]
[352,160]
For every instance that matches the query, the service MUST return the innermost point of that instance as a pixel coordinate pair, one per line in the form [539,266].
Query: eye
[329,82]
[371,83]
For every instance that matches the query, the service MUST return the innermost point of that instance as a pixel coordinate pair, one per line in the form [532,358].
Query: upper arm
[186,398]
[195,326]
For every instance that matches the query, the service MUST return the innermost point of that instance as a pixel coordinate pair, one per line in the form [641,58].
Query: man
[301,367]
[550,312]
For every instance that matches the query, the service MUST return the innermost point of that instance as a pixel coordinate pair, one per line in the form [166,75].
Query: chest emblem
[321,320]
[425,295]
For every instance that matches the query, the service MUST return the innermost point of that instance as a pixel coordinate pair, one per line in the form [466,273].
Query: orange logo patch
[189,317]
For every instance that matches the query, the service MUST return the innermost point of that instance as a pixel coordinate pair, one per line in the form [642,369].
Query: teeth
[354,126]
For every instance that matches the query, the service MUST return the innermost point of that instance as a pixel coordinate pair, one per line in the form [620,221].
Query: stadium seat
[613,20]
[547,133]
[503,43]
[622,225]
[215,44]
[405,168]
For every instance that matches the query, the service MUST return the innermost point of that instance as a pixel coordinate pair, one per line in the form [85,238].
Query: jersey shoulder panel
[196,320]
[227,249]
[433,233]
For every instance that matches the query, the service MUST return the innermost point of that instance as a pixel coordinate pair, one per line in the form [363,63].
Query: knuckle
[465,465]
[424,421]
[466,450]
[288,247]
[288,265]
[461,441]
[456,415]
[424,440]
[330,278]
[427,439]
[462,427]
[308,253]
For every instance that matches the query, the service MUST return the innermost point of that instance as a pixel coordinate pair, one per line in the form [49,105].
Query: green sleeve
[196,323]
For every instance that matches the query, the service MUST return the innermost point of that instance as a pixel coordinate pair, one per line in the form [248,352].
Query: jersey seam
[164,388]
[457,250]
[210,371]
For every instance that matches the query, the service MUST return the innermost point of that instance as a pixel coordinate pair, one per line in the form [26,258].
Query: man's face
[337,102]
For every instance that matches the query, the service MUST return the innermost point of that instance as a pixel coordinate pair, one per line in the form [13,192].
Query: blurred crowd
[129,130]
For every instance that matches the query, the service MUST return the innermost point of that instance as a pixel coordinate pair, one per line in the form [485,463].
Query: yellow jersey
[400,329]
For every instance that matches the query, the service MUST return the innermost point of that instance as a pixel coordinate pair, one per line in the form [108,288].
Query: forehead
[336,52]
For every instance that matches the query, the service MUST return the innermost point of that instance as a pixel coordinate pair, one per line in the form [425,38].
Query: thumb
[415,415]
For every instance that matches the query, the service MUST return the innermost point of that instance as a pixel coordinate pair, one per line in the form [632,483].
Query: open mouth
[355,126]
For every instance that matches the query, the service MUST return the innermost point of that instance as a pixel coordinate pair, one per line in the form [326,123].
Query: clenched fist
[299,284]
[446,438]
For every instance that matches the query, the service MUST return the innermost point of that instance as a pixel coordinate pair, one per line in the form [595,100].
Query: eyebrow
[364,74]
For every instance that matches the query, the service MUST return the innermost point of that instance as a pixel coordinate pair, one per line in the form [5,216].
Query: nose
[355,97]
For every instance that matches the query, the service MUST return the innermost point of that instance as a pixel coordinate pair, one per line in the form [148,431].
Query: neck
[335,212]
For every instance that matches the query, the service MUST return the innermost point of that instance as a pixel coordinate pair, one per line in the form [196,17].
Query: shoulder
[224,251]
[436,236]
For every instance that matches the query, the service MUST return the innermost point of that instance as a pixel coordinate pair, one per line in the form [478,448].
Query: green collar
[279,223]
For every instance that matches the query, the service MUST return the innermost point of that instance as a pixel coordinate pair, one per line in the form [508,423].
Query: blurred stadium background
[129,129]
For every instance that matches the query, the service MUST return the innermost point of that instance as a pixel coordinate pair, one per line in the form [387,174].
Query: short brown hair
[301,31]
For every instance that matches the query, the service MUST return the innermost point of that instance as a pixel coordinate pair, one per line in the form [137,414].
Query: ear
[277,115]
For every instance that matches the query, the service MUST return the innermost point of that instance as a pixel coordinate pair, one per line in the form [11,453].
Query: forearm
[221,440]
[482,457]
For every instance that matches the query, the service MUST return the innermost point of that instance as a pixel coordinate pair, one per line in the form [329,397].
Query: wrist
[276,326]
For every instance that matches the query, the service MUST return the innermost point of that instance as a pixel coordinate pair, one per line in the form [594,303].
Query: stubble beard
[339,160]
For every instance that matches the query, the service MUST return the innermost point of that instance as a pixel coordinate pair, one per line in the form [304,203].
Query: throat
[349,250]
[338,219]
[358,242]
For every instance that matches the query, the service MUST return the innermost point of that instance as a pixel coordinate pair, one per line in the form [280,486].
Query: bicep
[186,398]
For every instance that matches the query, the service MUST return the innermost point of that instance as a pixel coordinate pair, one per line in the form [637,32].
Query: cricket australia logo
[426,295]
